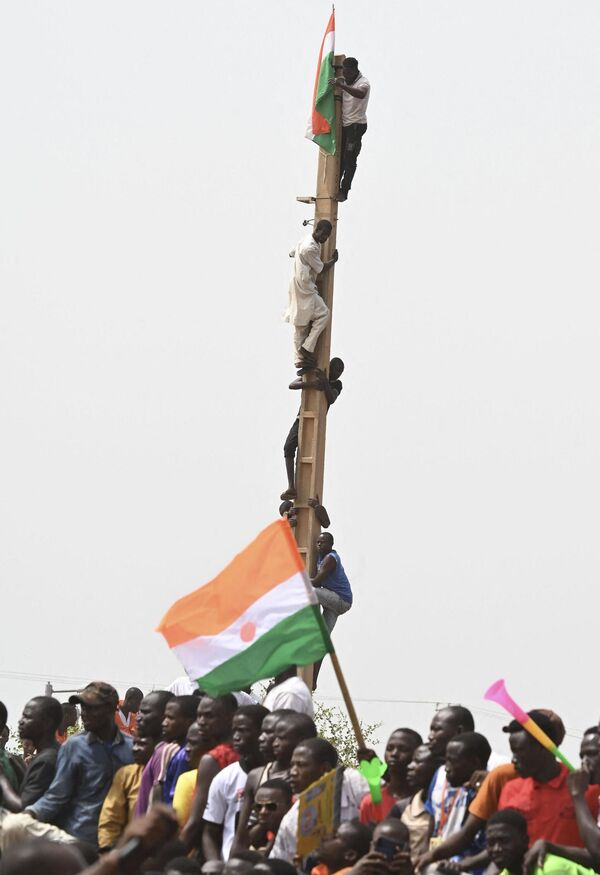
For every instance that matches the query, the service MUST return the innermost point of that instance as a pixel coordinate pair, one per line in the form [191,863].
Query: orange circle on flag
[248,631]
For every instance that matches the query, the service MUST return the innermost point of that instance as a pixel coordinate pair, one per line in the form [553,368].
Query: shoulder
[354,783]
[362,82]
[290,819]
[501,775]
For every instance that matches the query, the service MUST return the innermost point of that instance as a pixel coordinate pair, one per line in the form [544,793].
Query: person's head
[311,759]
[215,716]
[422,767]
[212,867]
[98,702]
[391,830]
[324,544]
[181,866]
[529,757]
[40,719]
[336,369]
[507,839]
[132,700]
[180,713]
[350,70]
[272,866]
[446,723]
[246,728]
[284,675]
[400,748]
[267,732]
[590,755]
[559,727]
[242,862]
[290,730]
[151,712]
[69,717]
[38,855]
[271,801]
[322,231]
[195,746]
[3,716]
[143,748]
[346,846]
[465,754]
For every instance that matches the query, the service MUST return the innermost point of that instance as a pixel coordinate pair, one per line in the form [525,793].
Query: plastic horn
[373,771]
[499,694]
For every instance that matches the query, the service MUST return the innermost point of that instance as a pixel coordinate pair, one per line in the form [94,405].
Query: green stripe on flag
[300,639]
[325,104]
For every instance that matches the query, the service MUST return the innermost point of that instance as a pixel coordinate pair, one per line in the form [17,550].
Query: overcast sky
[150,158]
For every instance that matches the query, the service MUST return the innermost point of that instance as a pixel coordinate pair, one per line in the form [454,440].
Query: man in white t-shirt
[311,759]
[227,788]
[356,90]
[290,691]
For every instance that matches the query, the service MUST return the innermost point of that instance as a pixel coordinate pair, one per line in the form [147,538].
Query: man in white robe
[307,311]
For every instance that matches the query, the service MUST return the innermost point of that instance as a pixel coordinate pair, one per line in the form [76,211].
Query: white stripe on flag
[328,44]
[203,654]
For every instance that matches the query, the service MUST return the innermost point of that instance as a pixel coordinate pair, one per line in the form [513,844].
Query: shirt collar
[556,782]
[118,738]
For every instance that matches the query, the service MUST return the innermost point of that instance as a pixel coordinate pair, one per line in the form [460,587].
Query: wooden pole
[310,465]
[347,700]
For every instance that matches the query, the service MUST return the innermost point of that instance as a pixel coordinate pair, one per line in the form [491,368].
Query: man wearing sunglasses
[273,800]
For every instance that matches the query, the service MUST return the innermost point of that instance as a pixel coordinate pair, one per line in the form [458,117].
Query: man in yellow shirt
[117,809]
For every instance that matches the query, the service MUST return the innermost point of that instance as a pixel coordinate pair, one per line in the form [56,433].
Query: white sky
[150,158]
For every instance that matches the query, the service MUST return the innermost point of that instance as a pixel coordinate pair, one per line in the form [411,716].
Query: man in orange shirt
[488,796]
[540,792]
[127,711]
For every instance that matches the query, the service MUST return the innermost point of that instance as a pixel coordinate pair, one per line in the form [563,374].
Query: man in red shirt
[540,792]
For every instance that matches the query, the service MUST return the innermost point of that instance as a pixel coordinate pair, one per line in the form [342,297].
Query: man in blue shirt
[332,587]
[85,766]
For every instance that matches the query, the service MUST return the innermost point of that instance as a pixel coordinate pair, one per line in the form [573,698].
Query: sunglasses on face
[267,806]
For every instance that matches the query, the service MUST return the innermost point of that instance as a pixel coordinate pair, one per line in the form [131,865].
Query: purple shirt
[150,776]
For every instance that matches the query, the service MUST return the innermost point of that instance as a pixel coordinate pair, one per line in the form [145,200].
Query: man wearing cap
[540,792]
[85,766]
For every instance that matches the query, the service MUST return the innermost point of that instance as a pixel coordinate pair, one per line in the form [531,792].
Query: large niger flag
[321,128]
[257,617]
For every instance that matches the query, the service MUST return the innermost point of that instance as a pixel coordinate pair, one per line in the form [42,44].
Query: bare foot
[288,494]
[320,512]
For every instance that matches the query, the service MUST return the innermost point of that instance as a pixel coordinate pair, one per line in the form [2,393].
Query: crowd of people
[177,783]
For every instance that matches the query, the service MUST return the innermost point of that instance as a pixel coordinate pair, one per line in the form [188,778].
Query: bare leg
[290,467]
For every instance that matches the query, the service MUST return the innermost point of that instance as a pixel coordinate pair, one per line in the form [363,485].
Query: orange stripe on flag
[265,563]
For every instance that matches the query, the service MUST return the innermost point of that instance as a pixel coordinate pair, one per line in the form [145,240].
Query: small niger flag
[256,618]
[321,128]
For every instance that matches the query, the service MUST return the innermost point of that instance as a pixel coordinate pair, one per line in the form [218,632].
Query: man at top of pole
[307,311]
[356,90]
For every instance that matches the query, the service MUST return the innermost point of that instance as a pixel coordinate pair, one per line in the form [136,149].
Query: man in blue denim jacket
[85,766]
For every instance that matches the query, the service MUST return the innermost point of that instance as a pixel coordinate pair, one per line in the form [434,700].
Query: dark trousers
[351,145]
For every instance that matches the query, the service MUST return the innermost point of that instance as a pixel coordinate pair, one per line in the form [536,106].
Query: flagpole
[310,465]
[347,699]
